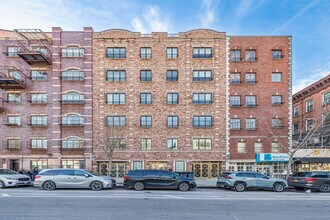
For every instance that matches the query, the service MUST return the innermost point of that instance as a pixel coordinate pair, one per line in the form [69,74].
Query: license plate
[295,180]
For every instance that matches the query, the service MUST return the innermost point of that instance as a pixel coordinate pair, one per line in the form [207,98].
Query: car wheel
[184,186]
[96,186]
[325,187]
[239,187]
[278,187]
[49,185]
[139,186]
[2,185]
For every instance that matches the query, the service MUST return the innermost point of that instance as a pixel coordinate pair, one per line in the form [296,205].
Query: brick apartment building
[311,107]
[260,103]
[197,101]
[46,94]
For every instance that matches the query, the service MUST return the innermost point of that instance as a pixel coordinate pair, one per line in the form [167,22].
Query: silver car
[51,179]
[242,180]
[11,178]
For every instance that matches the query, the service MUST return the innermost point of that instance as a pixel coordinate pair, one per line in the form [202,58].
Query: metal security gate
[206,169]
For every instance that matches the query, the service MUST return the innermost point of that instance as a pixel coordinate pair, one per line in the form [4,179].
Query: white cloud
[207,14]
[151,21]
[300,13]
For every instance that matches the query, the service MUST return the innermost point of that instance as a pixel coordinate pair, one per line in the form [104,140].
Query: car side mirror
[86,175]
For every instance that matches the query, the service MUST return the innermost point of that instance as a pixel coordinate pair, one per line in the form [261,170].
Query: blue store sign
[272,158]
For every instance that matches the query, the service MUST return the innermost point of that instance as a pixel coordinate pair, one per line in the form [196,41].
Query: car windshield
[6,172]
[93,172]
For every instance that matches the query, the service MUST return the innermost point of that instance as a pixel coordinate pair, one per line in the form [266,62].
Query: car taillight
[127,177]
[37,177]
[309,179]
[228,177]
[289,179]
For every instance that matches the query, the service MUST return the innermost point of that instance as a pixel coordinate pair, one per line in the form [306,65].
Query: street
[33,203]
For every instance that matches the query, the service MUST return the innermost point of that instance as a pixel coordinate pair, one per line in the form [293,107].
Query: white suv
[10,178]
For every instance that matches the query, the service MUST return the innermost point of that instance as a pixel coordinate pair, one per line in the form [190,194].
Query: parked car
[310,180]
[51,179]
[10,178]
[240,181]
[157,179]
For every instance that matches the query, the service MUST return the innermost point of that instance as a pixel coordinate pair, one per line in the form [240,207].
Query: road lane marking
[5,195]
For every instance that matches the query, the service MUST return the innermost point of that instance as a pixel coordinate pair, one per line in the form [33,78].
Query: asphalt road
[33,203]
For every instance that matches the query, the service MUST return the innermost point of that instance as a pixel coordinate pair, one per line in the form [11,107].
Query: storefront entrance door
[206,169]
[14,165]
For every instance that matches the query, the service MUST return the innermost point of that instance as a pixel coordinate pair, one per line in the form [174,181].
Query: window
[326,119]
[251,101]
[14,120]
[145,75]
[37,75]
[146,144]
[16,75]
[250,55]
[296,128]
[13,97]
[73,164]
[14,143]
[72,120]
[172,121]
[39,164]
[250,124]
[276,77]
[72,97]
[145,98]
[42,50]
[248,175]
[295,111]
[66,172]
[171,52]
[309,106]
[326,98]
[72,142]
[145,52]
[38,143]
[171,75]
[146,121]
[72,52]
[277,100]
[202,75]
[172,143]
[202,121]
[202,52]
[116,98]
[12,51]
[250,78]
[202,98]
[117,143]
[235,124]
[137,165]
[241,147]
[275,147]
[258,147]
[235,101]
[202,143]
[116,121]
[235,78]
[39,120]
[72,75]
[38,98]
[277,123]
[172,98]
[277,54]
[116,52]
[309,124]
[180,166]
[235,55]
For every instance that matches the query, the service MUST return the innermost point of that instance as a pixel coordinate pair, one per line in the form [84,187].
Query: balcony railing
[12,78]
[72,76]
[72,121]
[72,144]
[38,124]
[72,99]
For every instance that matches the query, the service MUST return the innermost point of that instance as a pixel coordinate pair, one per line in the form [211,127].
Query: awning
[313,160]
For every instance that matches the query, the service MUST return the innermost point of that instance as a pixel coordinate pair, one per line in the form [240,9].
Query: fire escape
[33,48]
[12,78]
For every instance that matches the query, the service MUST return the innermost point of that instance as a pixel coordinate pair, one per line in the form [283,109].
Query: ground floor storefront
[312,164]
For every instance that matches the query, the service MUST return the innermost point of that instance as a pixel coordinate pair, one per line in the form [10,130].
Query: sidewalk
[201,183]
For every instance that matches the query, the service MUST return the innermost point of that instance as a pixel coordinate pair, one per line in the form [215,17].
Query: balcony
[72,121]
[12,78]
[72,99]
[35,56]
[72,144]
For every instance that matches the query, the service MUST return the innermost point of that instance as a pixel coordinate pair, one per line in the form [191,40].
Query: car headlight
[11,178]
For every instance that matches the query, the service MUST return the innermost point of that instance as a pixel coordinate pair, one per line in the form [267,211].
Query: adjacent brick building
[168,101]
[46,88]
[311,116]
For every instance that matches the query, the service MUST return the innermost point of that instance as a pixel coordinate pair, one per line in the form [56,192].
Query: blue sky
[308,21]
